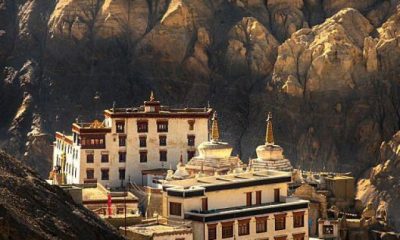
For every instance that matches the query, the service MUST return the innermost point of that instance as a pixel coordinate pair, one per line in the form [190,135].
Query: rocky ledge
[31,207]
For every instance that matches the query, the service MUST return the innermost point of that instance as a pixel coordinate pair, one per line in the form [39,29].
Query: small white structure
[270,156]
[135,144]
[247,205]
[214,156]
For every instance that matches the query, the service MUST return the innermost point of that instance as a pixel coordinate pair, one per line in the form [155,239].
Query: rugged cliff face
[328,70]
[381,186]
[31,208]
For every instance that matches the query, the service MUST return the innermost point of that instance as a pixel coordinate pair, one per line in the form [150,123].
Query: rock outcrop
[309,60]
[32,209]
[381,186]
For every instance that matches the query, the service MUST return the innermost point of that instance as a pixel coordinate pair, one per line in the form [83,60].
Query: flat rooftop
[96,192]
[228,179]
[155,229]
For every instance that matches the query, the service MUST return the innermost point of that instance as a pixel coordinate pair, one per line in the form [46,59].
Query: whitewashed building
[247,205]
[131,143]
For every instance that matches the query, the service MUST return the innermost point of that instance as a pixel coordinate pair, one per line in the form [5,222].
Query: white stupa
[270,156]
[214,155]
[180,172]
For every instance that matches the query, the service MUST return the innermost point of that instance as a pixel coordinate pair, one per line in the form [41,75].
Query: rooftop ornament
[269,137]
[214,128]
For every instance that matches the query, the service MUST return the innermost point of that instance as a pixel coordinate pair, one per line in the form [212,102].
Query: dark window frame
[280,222]
[191,140]
[212,232]
[298,220]
[105,174]
[122,170]
[122,141]
[120,126]
[91,170]
[121,157]
[163,140]
[244,228]
[261,225]
[162,126]
[142,141]
[175,209]
[227,230]
[163,156]
[142,126]
[90,158]
[143,156]
[105,158]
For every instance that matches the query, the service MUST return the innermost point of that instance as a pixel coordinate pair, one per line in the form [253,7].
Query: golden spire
[214,128]
[269,138]
[152,96]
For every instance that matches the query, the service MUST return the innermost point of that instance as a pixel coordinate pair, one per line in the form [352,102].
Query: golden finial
[269,138]
[214,128]
[181,160]
[152,96]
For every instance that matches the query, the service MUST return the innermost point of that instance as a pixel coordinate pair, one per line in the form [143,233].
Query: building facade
[129,142]
[247,205]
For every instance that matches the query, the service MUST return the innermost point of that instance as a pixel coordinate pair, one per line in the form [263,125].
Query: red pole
[109,203]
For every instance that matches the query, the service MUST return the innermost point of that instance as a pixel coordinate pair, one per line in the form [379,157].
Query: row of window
[93,141]
[249,197]
[261,226]
[105,174]
[143,126]
[142,156]
[162,141]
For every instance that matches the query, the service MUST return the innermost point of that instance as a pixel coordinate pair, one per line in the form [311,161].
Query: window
[276,195]
[280,238]
[227,229]
[163,156]
[258,197]
[122,174]
[191,139]
[261,224]
[142,141]
[212,232]
[248,199]
[190,154]
[298,236]
[90,158]
[327,229]
[298,219]
[163,140]
[104,158]
[122,156]
[162,126]
[93,142]
[143,156]
[280,222]
[191,125]
[122,141]
[175,209]
[120,126]
[204,204]
[104,174]
[89,173]
[142,126]
[243,227]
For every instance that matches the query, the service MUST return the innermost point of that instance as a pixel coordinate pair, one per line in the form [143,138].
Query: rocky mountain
[328,70]
[31,207]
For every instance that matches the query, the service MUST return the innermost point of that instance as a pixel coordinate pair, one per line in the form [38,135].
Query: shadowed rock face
[328,70]
[30,208]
